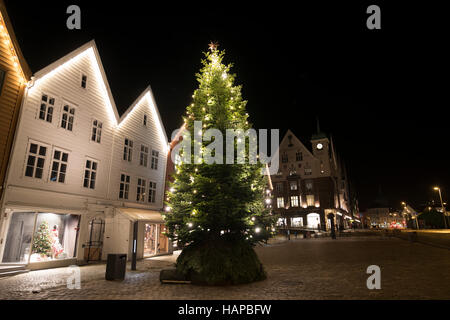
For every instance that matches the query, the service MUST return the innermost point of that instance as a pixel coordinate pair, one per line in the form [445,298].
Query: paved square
[297,269]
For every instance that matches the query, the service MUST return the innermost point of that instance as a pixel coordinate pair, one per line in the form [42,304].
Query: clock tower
[321,150]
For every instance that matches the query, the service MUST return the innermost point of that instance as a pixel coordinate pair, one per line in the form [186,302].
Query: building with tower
[311,189]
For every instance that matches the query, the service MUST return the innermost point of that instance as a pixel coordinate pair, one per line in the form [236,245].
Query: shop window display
[55,237]
[19,238]
[155,241]
[37,237]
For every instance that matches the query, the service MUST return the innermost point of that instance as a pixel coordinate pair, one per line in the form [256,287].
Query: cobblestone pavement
[298,269]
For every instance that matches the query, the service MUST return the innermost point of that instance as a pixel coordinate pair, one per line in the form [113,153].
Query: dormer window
[84,81]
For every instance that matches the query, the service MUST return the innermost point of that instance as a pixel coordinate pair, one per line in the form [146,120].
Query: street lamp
[442,205]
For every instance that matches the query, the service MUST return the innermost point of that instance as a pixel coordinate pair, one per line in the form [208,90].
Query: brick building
[310,185]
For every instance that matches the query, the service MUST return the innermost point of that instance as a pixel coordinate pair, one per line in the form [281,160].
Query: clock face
[319,146]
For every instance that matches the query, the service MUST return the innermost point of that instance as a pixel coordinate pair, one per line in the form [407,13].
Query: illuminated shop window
[40,237]
[297,222]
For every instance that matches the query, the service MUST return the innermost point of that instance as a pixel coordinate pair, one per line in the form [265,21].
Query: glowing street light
[442,205]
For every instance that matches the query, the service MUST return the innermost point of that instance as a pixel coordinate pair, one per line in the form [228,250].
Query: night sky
[380,93]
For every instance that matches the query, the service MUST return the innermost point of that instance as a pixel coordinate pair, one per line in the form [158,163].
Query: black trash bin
[116,267]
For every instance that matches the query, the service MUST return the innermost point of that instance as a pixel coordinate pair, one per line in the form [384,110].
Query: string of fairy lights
[7,41]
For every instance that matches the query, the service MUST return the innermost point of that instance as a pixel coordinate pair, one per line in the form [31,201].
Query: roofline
[23,63]
[286,135]
[91,45]
[148,91]
[73,55]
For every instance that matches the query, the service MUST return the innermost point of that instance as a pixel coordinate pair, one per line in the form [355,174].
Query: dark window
[46,109]
[299,156]
[155,159]
[90,174]
[144,156]
[124,186]
[145,120]
[284,158]
[2,79]
[97,131]
[68,116]
[84,81]
[59,166]
[141,189]
[35,161]
[128,150]
[152,192]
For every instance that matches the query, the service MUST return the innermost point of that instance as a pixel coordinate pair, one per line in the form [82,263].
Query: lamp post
[442,205]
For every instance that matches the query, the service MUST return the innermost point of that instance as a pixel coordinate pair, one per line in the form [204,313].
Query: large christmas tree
[217,212]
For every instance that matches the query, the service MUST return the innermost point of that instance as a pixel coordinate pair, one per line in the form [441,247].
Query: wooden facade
[14,74]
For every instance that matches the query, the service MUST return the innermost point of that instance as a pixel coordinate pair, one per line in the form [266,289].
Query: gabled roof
[90,49]
[148,94]
[15,44]
[288,133]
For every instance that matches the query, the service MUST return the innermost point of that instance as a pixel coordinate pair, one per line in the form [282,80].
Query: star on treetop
[213,45]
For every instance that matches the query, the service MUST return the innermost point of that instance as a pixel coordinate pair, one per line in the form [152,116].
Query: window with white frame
[84,81]
[308,171]
[124,189]
[97,127]
[152,192]
[67,118]
[47,107]
[280,202]
[144,156]
[294,201]
[155,159]
[293,185]
[141,190]
[90,174]
[59,166]
[128,150]
[279,187]
[310,200]
[36,156]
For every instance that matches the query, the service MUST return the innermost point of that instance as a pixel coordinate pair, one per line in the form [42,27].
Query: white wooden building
[80,173]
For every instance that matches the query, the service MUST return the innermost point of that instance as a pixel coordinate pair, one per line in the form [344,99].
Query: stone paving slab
[297,269]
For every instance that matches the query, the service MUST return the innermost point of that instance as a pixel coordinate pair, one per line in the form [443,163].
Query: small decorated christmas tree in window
[42,243]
